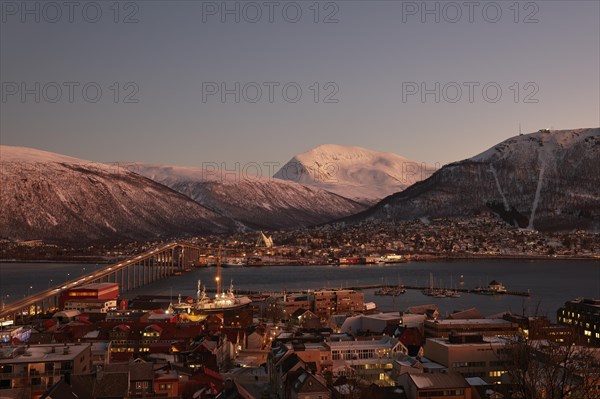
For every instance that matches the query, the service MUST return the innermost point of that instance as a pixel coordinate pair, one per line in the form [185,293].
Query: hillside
[257,202]
[62,199]
[542,181]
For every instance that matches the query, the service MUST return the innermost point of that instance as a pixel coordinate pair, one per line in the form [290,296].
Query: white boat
[393,258]
[222,301]
[205,304]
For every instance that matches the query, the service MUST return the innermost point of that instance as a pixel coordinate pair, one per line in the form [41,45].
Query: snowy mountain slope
[258,202]
[542,180]
[62,199]
[353,172]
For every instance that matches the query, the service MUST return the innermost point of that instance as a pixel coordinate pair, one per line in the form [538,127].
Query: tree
[550,368]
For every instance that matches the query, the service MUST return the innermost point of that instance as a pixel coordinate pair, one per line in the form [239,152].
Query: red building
[94,291]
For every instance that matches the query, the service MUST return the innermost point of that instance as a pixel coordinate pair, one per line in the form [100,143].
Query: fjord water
[551,282]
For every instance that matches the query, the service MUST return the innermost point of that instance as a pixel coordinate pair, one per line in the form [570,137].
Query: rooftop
[438,380]
[379,343]
[96,286]
[487,341]
[41,353]
[468,321]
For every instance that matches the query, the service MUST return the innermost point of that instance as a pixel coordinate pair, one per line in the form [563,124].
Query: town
[95,342]
[477,237]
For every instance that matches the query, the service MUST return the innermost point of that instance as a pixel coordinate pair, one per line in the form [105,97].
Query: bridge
[130,274]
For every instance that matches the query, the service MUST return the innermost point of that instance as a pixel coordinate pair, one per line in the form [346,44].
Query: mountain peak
[26,154]
[353,172]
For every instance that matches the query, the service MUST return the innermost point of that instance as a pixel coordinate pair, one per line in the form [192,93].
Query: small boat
[232,262]
[392,258]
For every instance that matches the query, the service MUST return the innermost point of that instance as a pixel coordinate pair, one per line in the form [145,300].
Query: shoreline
[414,258]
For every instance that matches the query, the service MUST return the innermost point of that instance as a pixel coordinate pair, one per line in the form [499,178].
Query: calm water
[551,282]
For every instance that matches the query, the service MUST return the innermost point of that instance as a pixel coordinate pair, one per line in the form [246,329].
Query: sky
[188,82]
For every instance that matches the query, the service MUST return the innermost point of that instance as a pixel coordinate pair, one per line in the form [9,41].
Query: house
[166,382]
[281,362]
[141,376]
[65,389]
[256,337]
[307,319]
[304,385]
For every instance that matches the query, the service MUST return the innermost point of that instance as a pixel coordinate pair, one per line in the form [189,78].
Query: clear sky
[373,57]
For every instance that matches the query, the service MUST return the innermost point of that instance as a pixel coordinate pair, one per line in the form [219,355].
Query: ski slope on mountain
[547,180]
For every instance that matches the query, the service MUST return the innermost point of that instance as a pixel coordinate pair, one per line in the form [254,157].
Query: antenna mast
[218,277]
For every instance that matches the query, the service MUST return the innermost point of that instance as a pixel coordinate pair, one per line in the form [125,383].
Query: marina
[536,286]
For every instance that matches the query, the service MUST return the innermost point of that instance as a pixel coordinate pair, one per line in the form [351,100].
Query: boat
[204,304]
[233,262]
[254,261]
[392,258]
[391,291]
[351,260]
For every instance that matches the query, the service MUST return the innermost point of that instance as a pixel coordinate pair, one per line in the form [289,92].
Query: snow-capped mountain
[257,202]
[63,199]
[363,175]
[546,180]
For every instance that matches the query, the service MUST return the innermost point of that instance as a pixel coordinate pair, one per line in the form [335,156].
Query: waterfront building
[584,316]
[91,305]
[328,302]
[293,302]
[94,291]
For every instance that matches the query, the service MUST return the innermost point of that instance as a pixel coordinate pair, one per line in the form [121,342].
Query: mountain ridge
[542,180]
[64,199]
[258,202]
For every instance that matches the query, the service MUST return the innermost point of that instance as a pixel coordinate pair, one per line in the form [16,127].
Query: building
[584,316]
[446,385]
[19,333]
[328,302]
[91,305]
[305,385]
[370,358]
[293,302]
[470,355]
[316,355]
[485,327]
[94,291]
[28,371]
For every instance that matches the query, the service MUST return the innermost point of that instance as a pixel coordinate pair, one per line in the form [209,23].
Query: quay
[408,287]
